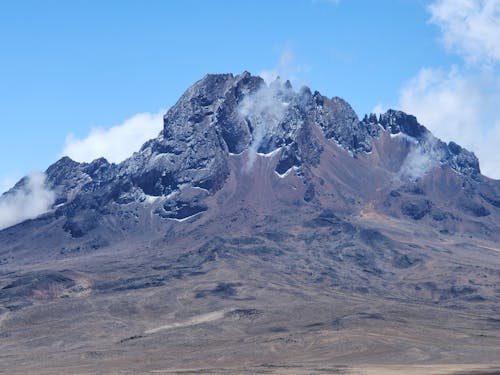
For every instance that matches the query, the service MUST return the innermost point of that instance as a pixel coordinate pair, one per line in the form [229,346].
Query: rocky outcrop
[399,122]
[225,114]
[462,160]
[339,122]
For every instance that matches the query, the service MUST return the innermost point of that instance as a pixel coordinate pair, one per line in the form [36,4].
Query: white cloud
[28,202]
[460,103]
[469,27]
[265,110]
[379,108]
[116,143]
[6,183]
[490,161]
[286,58]
[423,156]
[444,101]
[286,69]
[459,106]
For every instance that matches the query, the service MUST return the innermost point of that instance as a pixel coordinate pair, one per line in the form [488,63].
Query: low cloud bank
[116,143]
[6,183]
[32,199]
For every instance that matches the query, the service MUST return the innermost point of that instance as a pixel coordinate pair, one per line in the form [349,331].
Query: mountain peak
[397,121]
[255,202]
[223,116]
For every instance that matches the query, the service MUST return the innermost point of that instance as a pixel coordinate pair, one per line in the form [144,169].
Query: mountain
[265,230]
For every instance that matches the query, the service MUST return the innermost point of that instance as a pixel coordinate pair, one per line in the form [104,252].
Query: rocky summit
[266,229]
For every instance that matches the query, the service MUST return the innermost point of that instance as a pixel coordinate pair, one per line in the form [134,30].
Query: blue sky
[67,67]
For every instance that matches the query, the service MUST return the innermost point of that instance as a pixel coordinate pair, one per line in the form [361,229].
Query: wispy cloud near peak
[30,200]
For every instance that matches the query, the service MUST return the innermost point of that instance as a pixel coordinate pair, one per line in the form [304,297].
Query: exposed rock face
[222,115]
[462,160]
[399,122]
[199,131]
[458,158]
[339,122]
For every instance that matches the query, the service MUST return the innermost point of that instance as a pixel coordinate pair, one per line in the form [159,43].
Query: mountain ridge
[207,125]
[263,225]
[232,135]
